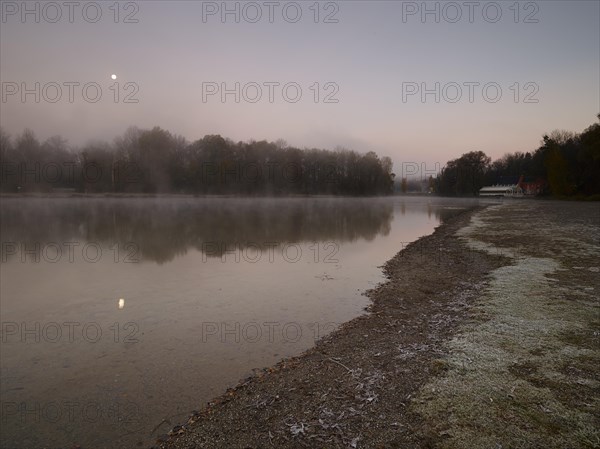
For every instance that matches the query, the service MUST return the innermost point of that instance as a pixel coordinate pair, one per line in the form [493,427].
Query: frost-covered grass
[524,373]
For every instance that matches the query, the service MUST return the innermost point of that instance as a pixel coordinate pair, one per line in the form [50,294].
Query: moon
[113,76]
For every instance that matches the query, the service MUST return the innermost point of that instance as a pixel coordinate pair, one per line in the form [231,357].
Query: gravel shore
[486,334]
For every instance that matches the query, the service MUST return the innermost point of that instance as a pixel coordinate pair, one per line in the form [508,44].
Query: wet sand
[485,334]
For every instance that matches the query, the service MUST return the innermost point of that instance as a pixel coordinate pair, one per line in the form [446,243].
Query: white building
[501,190]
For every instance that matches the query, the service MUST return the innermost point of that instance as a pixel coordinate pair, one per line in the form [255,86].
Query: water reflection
[155,356]
[160,230]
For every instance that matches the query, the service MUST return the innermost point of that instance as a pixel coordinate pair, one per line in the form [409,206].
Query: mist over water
[160,229]
[120,316]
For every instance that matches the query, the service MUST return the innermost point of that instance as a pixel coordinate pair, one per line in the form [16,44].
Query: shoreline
[484,334]
[112,195]
[267,409]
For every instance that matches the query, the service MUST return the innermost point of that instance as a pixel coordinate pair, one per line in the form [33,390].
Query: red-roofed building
[531,187]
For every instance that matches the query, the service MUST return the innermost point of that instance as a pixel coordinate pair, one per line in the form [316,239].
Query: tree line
[157,161]
[567,163]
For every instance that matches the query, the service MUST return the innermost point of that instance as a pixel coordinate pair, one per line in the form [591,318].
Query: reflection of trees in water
[164,228]
[443,214]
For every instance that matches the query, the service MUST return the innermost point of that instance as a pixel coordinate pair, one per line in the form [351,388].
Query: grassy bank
[524,371]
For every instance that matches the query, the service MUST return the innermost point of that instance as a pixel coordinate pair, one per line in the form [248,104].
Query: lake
[122,315]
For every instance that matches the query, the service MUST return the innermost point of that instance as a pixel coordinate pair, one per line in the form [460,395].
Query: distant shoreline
[78,195]
[179,195]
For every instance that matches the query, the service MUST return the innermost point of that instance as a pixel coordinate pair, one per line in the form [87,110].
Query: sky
[421,82]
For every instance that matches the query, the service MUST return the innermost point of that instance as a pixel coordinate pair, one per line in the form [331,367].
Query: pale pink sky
[369,55]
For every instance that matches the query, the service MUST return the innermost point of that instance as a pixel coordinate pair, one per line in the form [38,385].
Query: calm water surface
[120,316]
